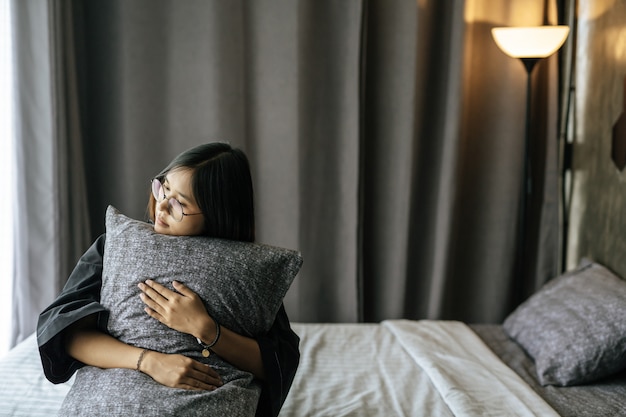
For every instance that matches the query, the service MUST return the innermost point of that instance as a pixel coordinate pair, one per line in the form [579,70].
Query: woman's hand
[178,371]
[181,310]
[184,311]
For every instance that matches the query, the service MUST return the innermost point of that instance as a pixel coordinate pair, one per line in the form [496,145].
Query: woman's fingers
[208,371]
[183,311]
[203,379]
[155,290]
[152,312]
[153,305]
[200,376]
[183,289]
[155,295]
[178,371]
[161,294]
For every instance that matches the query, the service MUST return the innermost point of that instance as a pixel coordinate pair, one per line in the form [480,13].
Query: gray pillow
[242,285]
[574,327]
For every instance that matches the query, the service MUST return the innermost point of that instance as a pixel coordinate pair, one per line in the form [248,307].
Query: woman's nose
[164,204]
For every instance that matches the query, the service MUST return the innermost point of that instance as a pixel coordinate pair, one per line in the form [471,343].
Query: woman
[206,190]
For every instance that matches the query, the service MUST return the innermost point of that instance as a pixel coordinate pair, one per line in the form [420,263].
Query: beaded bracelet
[143,352]
[206,349]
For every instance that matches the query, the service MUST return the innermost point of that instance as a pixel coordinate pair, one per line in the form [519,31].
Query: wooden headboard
[598,200]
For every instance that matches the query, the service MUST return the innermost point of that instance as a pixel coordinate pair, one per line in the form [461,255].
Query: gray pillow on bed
[574,327]
[242,285]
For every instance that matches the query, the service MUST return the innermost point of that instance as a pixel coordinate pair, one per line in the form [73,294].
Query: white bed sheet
[357,370]
[404,368]
[397,368]
[24,390]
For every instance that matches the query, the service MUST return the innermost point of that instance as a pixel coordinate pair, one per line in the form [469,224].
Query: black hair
[222,186]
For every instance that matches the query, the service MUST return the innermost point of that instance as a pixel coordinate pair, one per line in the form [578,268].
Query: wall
[598,221]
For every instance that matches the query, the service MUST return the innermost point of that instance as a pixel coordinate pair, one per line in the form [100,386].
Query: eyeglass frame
[170,206]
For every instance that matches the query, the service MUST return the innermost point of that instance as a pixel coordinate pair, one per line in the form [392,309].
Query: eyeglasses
[174,206]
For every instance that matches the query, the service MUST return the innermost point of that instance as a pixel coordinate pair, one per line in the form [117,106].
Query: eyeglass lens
[176,210]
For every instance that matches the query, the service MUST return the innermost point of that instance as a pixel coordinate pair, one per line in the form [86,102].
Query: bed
[562,352]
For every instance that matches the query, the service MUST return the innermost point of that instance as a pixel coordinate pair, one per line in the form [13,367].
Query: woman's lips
[160,221]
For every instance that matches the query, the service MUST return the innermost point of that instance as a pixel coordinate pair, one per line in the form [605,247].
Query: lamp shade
[530,41]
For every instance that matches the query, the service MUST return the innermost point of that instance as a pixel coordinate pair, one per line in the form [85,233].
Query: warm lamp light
[530,41]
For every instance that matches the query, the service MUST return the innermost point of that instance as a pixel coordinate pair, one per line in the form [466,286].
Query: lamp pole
[526,186]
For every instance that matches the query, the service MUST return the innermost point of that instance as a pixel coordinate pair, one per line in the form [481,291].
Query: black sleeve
[79,298]
[281,355]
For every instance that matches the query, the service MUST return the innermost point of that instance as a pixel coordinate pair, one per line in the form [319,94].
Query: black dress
[81,297]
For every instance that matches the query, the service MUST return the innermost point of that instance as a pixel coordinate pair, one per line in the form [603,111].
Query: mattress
[394,368]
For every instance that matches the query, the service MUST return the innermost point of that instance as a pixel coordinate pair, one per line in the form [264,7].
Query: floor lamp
[529,44]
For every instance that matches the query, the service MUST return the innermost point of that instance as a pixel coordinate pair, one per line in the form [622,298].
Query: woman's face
[177,184]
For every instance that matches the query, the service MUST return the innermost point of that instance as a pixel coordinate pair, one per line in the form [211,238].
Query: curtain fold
[406,81]
[35,210]
[72,219]
[50,227]
[384,139]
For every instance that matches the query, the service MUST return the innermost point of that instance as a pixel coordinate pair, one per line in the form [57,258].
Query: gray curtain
[384,137]
[51,227]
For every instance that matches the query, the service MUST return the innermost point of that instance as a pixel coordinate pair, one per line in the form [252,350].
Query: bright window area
[6,175]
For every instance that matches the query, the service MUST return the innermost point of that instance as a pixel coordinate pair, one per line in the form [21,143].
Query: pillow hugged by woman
[156,312]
